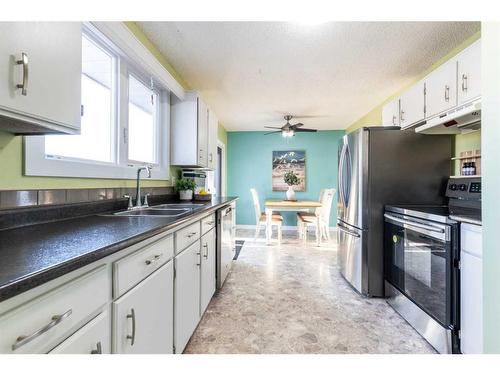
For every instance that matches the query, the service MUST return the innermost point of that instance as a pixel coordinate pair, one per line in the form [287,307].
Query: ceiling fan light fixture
[287,133]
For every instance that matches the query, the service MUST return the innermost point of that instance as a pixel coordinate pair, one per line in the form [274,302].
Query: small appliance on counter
[199,177]
[422,255]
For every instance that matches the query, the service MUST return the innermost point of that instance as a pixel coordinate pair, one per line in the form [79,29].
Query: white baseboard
[284,227]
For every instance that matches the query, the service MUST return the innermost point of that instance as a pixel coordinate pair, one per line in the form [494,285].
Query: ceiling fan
[289,130]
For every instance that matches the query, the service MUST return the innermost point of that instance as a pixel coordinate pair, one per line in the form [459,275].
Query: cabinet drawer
[132,269]
[40,324]
[92,338]
[471,239]
[207,223]
[186,236]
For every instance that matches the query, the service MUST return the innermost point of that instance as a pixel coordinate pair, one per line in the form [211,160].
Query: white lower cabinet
[92,338]
[207,269]
[187,295]
[143,317]
[471,289]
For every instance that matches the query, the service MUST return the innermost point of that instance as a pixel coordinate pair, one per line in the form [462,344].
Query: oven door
[418,262]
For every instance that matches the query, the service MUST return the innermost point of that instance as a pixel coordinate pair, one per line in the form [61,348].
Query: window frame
[38,164]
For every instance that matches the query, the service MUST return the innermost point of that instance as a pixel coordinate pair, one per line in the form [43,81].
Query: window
[124,121]
[142,115]
[96,141]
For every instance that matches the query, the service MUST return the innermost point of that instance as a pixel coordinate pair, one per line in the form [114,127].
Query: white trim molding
[134,50]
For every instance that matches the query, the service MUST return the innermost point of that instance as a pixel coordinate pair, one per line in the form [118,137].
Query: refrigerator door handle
[341,174]
[347,231]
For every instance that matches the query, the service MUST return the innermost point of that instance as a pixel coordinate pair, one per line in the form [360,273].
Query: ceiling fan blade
[298,125]
[306,130]
[278,131]
[272,127]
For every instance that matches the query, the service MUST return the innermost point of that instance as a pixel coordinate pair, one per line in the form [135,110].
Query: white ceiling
[251,73]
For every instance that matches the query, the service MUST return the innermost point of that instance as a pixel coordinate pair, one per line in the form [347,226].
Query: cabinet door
[187,295]
[207,269]
[52,72]
[213,124]
[469,73]
[390,113]
[441,89]
[202,133]
[143,317]
[92,338]
[412,104]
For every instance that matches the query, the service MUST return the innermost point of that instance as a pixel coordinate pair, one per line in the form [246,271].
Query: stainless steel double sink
[163,210]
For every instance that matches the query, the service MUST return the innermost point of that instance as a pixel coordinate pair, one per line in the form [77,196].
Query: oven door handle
[414,224]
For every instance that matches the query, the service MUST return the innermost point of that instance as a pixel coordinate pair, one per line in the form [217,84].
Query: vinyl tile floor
[292,299]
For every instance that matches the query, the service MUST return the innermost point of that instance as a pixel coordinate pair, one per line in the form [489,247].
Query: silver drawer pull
[155,258]
[56,319]
[191,234]
[132,336]
[206,251]
[210,222]
[24,62]
[98,349]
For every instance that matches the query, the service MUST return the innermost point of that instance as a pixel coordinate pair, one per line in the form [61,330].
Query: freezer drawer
[350,254]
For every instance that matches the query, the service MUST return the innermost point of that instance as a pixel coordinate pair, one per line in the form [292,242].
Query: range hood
[458,120]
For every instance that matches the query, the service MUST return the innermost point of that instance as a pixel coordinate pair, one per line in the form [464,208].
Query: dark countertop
[34,254]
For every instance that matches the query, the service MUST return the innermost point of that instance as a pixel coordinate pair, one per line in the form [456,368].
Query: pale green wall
[11,150]
[462,142]
[491,184]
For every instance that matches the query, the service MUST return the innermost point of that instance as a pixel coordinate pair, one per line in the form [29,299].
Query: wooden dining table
[284,205]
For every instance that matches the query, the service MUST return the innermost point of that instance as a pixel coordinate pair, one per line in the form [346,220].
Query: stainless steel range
[422,260]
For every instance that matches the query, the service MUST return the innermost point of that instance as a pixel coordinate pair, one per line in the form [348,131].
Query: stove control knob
[462,187]
[453,187]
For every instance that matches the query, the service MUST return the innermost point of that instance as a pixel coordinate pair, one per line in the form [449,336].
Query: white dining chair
[261,220]
[320,219]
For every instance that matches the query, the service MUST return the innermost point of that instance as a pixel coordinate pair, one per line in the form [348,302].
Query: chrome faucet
[138,198]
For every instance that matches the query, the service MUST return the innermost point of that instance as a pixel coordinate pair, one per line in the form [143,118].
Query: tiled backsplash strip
[26,198]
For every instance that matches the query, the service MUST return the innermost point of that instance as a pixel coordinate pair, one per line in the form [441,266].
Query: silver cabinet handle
[393,119]
[401,117]
[447,93]
[211,158]
[191,234]
[464,82]
[155,259]
[206,251]
[24,62]
[98,349]
[56,319]
[132,336]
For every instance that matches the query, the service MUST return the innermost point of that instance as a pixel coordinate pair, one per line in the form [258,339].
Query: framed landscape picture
[284,161]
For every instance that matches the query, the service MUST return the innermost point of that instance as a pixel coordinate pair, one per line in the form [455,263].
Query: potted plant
[185,187]
[291,179]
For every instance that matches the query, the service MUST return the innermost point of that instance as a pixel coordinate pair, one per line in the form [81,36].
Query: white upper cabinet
[40,74]
[390,113]
[441,89]
[213,124]
[191,133]
[469,73]
[412,105]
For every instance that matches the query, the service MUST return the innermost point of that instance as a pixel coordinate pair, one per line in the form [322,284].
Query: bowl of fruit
[203,195]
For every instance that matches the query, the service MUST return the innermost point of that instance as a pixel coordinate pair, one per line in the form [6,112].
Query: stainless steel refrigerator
[379,166]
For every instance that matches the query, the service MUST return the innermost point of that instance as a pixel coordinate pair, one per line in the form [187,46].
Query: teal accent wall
[249,158]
